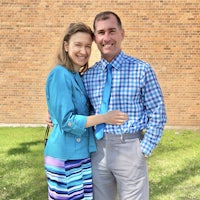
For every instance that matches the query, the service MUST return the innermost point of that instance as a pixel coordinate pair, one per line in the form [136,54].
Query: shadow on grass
[24,148]
[167,183]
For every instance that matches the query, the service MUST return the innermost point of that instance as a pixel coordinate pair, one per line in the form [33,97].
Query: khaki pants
[119,167]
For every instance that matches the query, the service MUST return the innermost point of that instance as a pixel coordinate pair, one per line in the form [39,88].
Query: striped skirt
[69,180]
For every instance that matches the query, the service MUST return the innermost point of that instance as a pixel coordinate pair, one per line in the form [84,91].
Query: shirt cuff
[146,147]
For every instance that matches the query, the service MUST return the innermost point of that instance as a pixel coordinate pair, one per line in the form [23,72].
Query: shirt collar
[116,62]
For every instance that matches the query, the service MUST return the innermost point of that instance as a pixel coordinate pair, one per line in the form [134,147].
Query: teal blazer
[68,106]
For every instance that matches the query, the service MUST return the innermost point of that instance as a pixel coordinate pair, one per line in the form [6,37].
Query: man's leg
[130,170]
[104,184]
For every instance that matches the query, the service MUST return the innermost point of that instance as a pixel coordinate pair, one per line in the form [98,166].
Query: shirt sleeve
[155,111]
[60,104]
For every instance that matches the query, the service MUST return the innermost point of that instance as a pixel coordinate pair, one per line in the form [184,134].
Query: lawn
[22,172]
[174,167]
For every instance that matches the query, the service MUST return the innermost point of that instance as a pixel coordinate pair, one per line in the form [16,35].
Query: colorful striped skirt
[69,180]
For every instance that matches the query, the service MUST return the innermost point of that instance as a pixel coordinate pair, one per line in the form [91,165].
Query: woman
[67,152]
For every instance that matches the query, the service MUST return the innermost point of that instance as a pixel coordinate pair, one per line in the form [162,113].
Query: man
[119,165]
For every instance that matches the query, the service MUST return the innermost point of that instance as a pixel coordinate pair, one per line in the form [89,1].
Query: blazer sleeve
[59,91]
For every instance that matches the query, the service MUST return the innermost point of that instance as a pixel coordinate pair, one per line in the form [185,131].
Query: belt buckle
[122,139]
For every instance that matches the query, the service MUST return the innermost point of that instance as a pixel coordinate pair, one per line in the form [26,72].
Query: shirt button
[78,139]
[69,124]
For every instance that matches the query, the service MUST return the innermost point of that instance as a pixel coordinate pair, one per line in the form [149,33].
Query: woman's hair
[63,56]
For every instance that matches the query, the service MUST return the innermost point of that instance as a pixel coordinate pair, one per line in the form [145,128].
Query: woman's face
[79,49]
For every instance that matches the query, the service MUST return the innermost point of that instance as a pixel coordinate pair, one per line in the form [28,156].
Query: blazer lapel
[80,83]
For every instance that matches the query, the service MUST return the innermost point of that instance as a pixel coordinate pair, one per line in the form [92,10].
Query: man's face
[108,37]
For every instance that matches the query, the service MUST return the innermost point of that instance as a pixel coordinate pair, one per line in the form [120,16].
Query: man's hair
[106,15]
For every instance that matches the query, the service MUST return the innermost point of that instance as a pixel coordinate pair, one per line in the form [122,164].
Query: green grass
[22,173]
[174,167]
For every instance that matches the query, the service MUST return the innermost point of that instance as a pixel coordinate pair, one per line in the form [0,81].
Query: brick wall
[165,33]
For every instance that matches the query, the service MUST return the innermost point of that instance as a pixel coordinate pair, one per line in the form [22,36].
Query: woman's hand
[115,117]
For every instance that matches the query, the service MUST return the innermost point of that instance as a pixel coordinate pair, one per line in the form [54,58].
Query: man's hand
[48,120]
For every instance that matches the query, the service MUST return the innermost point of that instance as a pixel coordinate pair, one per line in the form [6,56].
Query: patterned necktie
[105,101]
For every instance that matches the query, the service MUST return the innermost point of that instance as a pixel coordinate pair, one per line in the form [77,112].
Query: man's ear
[94,39]
[123,34]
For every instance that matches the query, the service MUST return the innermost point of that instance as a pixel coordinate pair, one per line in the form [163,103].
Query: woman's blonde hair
[63,57]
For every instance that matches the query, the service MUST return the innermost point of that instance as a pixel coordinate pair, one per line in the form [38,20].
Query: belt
[123,137]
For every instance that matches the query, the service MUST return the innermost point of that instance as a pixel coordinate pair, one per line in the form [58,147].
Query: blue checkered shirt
[135,91]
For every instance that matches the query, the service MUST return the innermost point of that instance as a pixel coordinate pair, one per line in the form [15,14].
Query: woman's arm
[112,117]
[115,117]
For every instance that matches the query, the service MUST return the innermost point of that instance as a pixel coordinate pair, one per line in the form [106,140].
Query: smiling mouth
[107,45]
[81,57]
